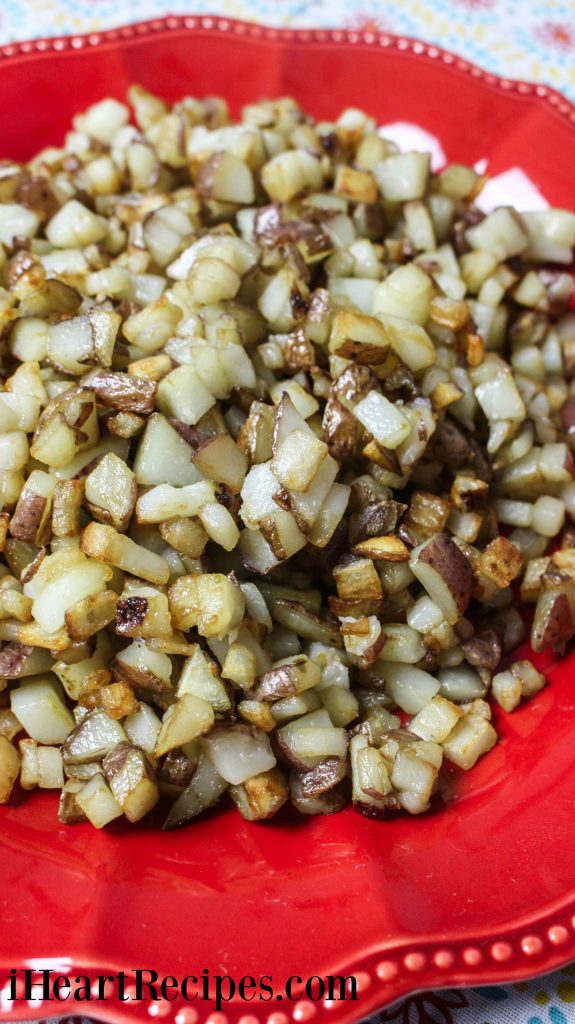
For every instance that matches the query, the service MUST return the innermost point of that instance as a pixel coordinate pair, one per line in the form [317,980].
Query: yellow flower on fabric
[566,991]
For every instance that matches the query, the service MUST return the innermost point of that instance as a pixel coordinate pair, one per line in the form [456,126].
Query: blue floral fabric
[546,1000]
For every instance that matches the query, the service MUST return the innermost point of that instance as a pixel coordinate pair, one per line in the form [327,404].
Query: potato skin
[339,430]
[27,517]
[126,392]
[443,555]
[483,649]
[553,624]
[13,659]
[275,684]
[323,777]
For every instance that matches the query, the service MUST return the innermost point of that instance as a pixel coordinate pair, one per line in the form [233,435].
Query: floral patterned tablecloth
[529,39]
[526,39]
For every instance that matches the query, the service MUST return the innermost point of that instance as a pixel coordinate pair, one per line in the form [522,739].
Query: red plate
[481,890]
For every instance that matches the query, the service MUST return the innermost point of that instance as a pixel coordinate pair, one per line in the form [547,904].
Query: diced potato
[472,737]
[69,811]
[105,544]
[163,456]
[14,450]
[92,738]
[239,755]
[499,397]
[86,340]
[219,524]
[143,667]
[410,688]
[402,176]
[358,337]
[97,802]
[202,792]
[183,395]
[16,221]
[290,173]
[63,579]
[210,602]
[436,720]
[167,502]
[357,580]
[382,419]
[445,573]
[288,676]
[111,492]
[388,549]
[41,766]
[406,293]
[9,724]
[219,458]
[521,680]
[224,176]
[212,280]
[67,504]
[117,700]
[298,459]
[184,535]
[370,777]
[152,326]
[183,722]
[200,677]
[74,224]
[131,780]
[256,713]
[88,616]
[102,120]
[9,768]
[410,341]
[240,665]
[261,796]
[413,777]
[67,426]
[363,638]
[32,513]
[502,234]
[42,712]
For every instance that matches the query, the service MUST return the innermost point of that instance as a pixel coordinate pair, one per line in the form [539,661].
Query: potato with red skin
[18,660]
[126,392]
[483,649]
[568,420]
[294,676]
[339,430]
[28,516]
[375,519]
[445,573]
[323,777]
[330,802]
[554,621]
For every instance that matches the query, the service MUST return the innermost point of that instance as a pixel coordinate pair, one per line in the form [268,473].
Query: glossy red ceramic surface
[479,890]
